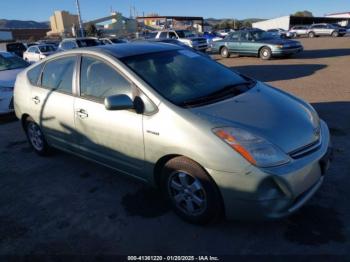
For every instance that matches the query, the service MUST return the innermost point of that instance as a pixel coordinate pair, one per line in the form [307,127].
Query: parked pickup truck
[185,36]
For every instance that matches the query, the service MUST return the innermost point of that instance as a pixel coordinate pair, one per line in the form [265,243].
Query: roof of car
[135,48]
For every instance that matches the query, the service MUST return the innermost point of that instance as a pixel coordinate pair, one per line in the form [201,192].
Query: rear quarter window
[34,74]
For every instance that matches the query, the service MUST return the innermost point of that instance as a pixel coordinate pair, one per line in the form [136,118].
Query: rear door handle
[82,113]
[36,100]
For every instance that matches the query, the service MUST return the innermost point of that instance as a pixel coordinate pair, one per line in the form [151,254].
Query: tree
[304,13]
[91,30]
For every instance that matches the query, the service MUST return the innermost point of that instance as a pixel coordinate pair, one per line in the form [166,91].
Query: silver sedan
[215,141]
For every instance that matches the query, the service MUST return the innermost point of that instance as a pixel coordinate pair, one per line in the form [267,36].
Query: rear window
[87,42]
[15,47]
[58,74]
[33,74]
[10,61]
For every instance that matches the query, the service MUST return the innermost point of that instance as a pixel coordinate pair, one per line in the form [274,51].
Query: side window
[34,74]
[99,80]
[31,49]
[234,36]
[163,35]
[68,45]
[172,35]
[58,74]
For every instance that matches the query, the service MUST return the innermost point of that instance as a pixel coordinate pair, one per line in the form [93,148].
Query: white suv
[187,37]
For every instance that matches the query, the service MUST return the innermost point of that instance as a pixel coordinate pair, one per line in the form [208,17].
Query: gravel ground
[66,205]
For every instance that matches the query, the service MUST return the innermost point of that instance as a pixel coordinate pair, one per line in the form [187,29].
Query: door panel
[53,102]
[112,137]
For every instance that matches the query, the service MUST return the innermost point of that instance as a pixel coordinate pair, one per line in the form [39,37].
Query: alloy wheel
[187,193]
[35,135]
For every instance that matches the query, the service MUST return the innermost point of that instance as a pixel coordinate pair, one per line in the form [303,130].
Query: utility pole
[79,18]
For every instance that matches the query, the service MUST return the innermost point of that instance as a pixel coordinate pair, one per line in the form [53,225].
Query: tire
[335,34]
[311,35]
[36,137]
[265,53]
[224,52]
[192,193]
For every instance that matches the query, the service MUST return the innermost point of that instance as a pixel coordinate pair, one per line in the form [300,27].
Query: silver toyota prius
[215,141]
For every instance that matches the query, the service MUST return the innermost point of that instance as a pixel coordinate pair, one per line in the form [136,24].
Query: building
[286,22]
[164,22]
[62,23]
[339,15]
[26,34]
[119,25]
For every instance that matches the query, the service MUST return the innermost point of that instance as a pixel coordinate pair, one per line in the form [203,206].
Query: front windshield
[182,75]
[261,35]
[47,48]
[9,61]
[185,33]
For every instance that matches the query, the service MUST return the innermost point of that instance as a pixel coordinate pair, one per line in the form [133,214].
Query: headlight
[253,148]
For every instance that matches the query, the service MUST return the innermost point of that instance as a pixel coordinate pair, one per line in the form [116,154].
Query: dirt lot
[66,205]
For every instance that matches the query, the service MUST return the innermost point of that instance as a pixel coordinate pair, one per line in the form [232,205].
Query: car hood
[8,77]
[282,119]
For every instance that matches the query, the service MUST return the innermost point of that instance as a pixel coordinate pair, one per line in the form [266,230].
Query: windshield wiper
[227,91]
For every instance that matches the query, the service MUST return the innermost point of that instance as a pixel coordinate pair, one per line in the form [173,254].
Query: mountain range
[18,24]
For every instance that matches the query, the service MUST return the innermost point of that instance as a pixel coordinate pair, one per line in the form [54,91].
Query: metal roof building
[286,22]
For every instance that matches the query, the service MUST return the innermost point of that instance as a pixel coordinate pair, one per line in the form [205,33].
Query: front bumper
[274,192]
[287,51]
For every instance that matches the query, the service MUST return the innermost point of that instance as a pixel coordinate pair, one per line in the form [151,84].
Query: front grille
[307,149]
[11,104]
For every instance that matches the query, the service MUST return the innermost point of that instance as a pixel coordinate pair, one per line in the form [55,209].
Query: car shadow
[323,53]
[270,73]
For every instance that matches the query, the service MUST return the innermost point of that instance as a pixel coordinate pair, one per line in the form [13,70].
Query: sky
[41,10]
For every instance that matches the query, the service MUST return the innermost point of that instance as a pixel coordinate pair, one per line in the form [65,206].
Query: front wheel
[265,53]
[311,35]
[335,34]
[36,137]
[192,193]
[224,52]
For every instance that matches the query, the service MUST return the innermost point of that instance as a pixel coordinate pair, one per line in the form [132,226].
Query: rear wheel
[265,53]
[224,52]
[192,193]
[335,34]
[311,35]
[36,137]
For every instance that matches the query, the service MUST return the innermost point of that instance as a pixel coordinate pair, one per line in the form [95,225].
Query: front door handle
[82,113]
[36,100]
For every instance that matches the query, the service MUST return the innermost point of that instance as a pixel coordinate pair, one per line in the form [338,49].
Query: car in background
[211,37]
[175,42]
[112,40]
[187,37]
[326,30]
[49,42]
[279,32]
[36,53]
[223,32]
[10,66]
[214,141]
[14,48]
[299,30]
[79,42]
[255,43]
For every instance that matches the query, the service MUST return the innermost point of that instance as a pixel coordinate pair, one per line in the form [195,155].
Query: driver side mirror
[118,102]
